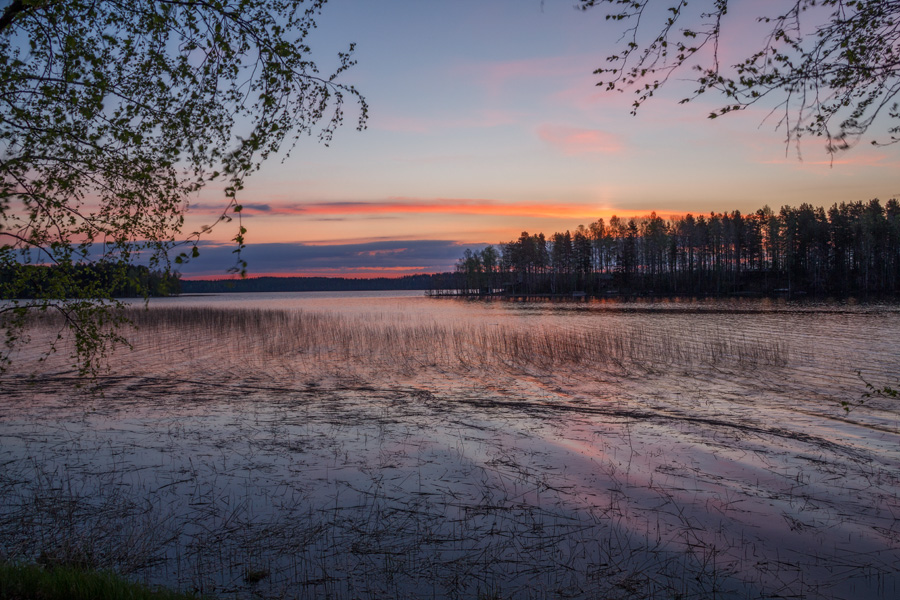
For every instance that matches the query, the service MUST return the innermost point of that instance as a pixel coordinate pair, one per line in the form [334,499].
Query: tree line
[86,280]
[307,284]
[849,249]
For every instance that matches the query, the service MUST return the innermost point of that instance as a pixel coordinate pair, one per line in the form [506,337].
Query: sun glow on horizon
[474,144]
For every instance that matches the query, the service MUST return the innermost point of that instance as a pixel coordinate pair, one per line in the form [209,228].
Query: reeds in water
[417,490]
[290,339]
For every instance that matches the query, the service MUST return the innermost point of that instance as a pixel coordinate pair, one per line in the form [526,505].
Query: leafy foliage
[113,114]
[872,391]
[832,66]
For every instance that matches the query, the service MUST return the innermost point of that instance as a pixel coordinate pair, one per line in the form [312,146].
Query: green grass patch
[33,582]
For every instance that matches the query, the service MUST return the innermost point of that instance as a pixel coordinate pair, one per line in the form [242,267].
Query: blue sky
[485,122]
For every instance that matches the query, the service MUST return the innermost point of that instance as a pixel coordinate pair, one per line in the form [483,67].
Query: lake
[386,444]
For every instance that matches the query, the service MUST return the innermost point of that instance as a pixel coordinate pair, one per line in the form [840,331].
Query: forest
[849,249]
[106,279]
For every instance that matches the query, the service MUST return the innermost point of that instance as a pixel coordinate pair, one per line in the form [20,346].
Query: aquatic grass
[292,338]
[373,539]
[236,339]
[249,473]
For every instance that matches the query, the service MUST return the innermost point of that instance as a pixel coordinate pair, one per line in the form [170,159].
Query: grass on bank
[33,582]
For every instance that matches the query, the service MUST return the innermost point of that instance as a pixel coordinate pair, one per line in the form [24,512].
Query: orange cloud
[575,142]
[401,205]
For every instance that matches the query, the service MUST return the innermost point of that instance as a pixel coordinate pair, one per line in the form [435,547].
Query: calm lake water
[388,444]
[837,336]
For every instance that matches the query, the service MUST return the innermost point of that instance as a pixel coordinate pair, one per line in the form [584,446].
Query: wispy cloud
[405,205]
[573,141]
[249,207]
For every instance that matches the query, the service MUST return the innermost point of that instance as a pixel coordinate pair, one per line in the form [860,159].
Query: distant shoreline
[308,284]
[435,285]
[628,296]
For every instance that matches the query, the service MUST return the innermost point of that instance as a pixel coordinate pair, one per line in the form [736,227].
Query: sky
[485,121]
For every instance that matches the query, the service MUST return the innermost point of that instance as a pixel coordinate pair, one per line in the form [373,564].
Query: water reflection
[394,445]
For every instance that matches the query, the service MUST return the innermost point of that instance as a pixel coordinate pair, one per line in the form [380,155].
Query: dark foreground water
[390,445]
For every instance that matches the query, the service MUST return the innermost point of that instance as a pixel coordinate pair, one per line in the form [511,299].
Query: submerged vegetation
[850,249]
[398,450]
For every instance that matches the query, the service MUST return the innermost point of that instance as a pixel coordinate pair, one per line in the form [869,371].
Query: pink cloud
[573,141]
[454,206]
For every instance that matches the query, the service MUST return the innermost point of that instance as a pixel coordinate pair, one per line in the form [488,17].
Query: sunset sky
[485,122]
